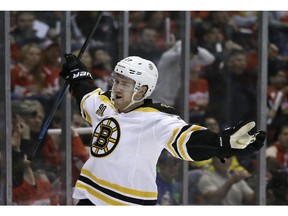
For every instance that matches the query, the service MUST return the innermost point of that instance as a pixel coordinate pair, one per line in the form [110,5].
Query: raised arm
[79,78]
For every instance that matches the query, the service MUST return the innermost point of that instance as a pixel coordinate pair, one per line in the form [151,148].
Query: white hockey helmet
[142,71]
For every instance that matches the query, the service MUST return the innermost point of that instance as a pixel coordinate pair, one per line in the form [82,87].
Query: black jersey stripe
[115,194]
[174,144]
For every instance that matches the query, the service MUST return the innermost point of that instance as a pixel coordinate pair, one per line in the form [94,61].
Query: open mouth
[118,97]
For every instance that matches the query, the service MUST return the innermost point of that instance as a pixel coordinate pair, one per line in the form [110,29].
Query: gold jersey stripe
[146,109]
[118,188]
[183,140]
[171,141]
[99,195]
[85,114]
[106,100]
[181,144]
[87,117]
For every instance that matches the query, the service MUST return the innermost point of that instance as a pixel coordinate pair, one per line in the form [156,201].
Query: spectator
[51,65]
[101,59]
[83,21]
[136,24]
[245,19]
[101,67]
[278,26]
[277,103]
[169,69]
[279,148]
[169,187]
[23,32]
[53,20]
[86,58]
[53,158]
[277,183]
[212,123]
[276,61]
[29,187]
[214,40]
[51,150]
[28,78]
[198,95]
[36,188]
[32,114]
[146,46]
[223,188]
[197,167]
[156,20]
[232,90]
[52,153]
[79,151]
[246,33]
[49,157]
[224,21]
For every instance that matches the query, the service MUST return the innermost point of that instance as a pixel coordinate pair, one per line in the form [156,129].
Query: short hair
[26,107]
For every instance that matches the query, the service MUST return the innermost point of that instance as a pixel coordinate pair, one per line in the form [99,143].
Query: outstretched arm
[232,141]
[193,142]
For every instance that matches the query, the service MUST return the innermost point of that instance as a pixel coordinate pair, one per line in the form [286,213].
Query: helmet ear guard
[142,71]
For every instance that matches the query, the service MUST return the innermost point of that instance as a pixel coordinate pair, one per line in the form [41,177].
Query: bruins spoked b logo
[105,137]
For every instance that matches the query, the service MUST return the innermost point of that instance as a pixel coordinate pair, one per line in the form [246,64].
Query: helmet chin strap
[133,101]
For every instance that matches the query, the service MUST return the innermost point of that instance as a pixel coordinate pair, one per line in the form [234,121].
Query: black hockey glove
[238,141]
[74,70]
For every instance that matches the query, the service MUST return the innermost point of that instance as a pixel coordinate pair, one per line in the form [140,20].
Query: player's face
[123,89]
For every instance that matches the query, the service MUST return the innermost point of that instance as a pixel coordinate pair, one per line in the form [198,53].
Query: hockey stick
[61,93]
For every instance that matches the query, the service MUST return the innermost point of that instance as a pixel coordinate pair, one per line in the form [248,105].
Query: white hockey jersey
[124,151]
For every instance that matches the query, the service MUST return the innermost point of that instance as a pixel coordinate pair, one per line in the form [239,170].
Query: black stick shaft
[88,39]
[61,92]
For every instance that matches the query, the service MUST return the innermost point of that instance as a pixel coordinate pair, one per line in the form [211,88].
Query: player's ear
[142,91]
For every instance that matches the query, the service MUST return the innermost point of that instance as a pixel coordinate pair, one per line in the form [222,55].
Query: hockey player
[129,133]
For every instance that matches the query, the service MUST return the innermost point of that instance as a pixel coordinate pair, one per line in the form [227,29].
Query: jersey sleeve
[188,142]
[80,88]
[88,104]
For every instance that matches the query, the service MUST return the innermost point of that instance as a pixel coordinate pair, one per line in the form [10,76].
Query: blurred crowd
[223,91]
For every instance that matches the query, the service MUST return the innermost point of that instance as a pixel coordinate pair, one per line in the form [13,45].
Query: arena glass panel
[233,60]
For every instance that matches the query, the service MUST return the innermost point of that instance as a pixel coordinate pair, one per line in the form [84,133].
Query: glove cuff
[225,140]
[77,74]
[225,146]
